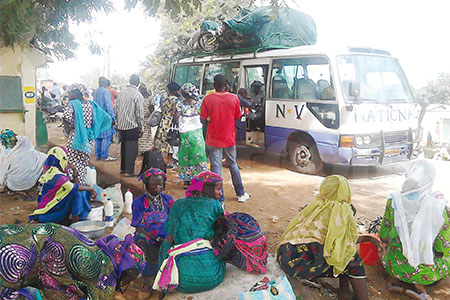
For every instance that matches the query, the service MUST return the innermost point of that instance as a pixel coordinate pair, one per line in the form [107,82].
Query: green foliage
[175,33]
[438,90]
[45,23]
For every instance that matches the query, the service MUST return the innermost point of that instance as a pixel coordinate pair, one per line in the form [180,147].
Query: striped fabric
[102,147]
[129,109]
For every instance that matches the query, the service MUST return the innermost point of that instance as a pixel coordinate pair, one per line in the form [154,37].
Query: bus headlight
[359,141]
[367,140]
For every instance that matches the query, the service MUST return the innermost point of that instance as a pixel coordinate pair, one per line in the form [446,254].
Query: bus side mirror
[354,90]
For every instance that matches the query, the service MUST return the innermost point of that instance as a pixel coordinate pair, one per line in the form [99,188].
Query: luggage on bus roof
[288,28]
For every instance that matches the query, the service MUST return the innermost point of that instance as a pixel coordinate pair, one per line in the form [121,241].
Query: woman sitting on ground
[8,140]
[64,264]
[240,241]
[150,212]
[22,166]
[416,231]
[190,227]
[321,240]
[59,197]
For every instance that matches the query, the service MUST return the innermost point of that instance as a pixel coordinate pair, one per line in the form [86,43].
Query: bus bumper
[376,156]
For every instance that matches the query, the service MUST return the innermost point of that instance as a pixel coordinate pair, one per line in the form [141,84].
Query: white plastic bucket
[96,213]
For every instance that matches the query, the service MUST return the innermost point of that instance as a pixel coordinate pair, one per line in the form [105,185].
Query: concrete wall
[433,122]
[23,63]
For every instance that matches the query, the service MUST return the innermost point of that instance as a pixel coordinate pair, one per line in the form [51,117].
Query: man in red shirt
[220,110]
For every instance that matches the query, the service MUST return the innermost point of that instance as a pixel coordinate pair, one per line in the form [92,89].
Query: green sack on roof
[287,28]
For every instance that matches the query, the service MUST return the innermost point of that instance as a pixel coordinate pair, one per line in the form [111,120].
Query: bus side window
[189,74]
[230,70]
[306,78]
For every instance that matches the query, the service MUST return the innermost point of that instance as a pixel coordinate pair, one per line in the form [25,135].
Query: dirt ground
[277,194]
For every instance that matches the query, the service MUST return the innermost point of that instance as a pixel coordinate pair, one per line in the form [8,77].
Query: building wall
[436,122]
[23,63]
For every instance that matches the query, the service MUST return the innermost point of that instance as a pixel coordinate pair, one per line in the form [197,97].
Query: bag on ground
[115,194]
[153,159]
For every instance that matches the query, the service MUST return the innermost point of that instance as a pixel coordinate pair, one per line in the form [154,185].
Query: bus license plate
[393,152]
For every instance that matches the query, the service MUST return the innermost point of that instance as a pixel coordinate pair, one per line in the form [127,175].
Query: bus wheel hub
[303,156]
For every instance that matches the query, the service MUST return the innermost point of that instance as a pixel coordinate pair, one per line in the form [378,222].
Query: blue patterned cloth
[102,122]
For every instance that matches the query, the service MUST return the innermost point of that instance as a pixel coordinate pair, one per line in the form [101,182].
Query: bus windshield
[381,79]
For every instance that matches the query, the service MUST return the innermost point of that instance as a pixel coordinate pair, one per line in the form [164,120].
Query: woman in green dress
[192,155]
[416,233]
[190,227]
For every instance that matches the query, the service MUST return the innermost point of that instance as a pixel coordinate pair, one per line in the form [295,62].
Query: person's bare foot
[401,290]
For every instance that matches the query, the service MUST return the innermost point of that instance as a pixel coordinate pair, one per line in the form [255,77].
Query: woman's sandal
[401,290]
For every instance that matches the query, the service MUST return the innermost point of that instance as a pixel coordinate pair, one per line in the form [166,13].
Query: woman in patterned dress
[59,197]
[150,213]
[191,156]
[416,233]
[168,103]
[321,240]
[83,121]
[239,239]
[145,142]
[64,264]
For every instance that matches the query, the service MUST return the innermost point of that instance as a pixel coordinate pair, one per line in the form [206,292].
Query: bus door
[254,80]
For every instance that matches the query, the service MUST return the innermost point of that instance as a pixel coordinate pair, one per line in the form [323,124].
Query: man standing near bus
[220,110]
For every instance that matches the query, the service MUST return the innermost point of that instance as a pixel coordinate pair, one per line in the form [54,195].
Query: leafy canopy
[438,91]
[175,33]
[45,23]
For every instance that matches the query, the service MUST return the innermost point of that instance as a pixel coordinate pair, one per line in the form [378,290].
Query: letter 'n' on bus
[281,110]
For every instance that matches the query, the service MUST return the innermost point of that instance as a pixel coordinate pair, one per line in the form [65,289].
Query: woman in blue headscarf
[83,121]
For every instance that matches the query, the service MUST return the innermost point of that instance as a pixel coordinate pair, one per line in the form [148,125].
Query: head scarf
[22,166]
[81,87]
[329,221]
[152,172]
[188,90]
[418,213]
[200,180]
[6,137]
[57,157]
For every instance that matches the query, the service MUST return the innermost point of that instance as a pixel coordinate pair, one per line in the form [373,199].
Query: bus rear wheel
[304,157]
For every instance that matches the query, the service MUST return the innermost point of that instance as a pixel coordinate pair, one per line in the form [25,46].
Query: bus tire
[208,42]
[304,157]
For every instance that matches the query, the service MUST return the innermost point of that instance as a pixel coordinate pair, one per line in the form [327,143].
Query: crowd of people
[185,244]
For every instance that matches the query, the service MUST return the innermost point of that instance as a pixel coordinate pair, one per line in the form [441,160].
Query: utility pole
[109,62]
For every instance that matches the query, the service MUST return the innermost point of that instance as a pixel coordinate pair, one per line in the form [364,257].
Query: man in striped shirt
[129,109]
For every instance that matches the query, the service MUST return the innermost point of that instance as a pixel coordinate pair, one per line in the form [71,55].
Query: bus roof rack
[230,52]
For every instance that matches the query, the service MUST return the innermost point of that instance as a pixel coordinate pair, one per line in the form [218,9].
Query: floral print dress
[192,154]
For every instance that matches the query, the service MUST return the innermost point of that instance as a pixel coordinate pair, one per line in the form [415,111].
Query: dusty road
[277,195]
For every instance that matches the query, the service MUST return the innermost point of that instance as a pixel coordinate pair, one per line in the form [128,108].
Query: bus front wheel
[304,157]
